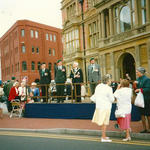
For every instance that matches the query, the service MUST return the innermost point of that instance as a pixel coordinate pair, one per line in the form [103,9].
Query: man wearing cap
[94,75]
[143,85]
[60,79]
[45,79]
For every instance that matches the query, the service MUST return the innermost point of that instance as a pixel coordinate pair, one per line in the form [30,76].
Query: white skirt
[101,117]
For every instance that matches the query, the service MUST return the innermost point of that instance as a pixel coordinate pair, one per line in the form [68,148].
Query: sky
[42,11]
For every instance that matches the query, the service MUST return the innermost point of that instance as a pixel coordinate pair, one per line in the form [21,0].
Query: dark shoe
[116,126]
[144,131]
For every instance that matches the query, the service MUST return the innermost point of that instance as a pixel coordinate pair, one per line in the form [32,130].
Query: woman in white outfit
[103,97]
[123,95]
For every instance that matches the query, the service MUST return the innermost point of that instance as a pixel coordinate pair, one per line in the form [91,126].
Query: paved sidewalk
[37,123]
[69,126]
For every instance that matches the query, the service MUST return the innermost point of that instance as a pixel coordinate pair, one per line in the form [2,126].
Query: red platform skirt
[124,123]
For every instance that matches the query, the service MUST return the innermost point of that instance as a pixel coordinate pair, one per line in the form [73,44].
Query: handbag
[139,100]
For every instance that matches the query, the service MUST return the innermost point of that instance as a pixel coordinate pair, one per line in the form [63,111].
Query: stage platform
[69,111]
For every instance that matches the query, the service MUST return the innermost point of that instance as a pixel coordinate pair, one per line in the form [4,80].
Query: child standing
[123,95]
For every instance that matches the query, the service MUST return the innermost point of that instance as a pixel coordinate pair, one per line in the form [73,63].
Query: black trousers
[77,92]
[60,93]
[44,89]
[9,106]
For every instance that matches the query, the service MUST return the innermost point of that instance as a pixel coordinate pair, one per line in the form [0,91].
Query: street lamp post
[83,34]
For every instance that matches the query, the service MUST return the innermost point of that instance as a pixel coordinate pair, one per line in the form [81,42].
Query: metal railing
[72,96]
[52,95]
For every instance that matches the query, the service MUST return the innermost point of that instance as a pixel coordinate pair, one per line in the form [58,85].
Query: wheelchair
[16,108]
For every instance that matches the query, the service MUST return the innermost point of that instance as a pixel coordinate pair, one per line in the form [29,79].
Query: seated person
[34,92]
[14,92]
[22,91]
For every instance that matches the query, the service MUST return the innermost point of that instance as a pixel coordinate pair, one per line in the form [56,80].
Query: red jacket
[13,94]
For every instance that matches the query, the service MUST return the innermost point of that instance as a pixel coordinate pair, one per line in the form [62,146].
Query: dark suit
[45,79]
[60,79]
[77,83]
[144,84]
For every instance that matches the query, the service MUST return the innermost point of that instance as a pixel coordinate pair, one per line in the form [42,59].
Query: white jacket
[103,96]
[123,96]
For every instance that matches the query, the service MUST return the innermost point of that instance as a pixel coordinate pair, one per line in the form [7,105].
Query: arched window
[33,65]
[24,66]
[125,19]
[39,65]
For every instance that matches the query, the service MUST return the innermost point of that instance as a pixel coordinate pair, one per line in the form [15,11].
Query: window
[39,65]
[125,19]
[143,9]
[37,50]
[93,34]
[32,49]
[23,49]
[54,38]
[50,52]
[46,36]
[124,16]
[24,66]
[72,41]
[36,34]
[22,33]
[49,66]
[32,33]
[33,66]
[71,10]
[53,51]
[51,37]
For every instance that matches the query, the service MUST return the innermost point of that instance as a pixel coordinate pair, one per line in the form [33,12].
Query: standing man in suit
[60,79]
[45,80]
[77,78]
[94,75]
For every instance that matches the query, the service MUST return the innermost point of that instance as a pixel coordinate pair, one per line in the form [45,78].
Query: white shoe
[105,140]
[127,139]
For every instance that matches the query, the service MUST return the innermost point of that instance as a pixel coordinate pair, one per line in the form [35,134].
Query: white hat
[33,83]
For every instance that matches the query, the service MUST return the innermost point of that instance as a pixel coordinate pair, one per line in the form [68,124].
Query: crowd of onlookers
[104,92]
[12,90]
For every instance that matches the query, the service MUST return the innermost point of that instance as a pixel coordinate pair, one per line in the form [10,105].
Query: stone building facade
[25,46]
[117,34]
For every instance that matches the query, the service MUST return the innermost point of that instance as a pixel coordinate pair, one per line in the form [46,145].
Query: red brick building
[25,46]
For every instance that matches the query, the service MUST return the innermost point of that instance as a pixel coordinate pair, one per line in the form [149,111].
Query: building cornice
[127,40]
